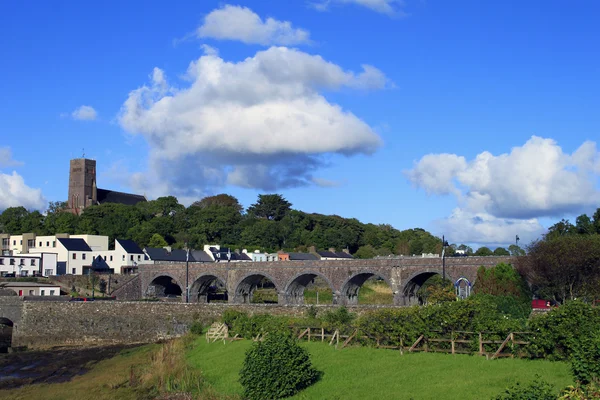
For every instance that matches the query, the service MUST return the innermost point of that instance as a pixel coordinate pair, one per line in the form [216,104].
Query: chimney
[332,249]
[168,249]
[312,249]
[237,251]
[346,250]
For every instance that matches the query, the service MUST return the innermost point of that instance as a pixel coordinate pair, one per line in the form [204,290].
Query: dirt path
[52,366]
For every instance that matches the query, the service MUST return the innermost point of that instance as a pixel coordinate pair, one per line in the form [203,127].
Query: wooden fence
[455,342]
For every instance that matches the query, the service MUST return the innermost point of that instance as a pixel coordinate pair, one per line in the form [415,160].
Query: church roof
[110,196]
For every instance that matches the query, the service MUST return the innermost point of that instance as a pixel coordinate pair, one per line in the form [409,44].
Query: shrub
[590,391]
[536,390]
[276,368]
[585,360]
[340,318]
[558,331]
[196,328]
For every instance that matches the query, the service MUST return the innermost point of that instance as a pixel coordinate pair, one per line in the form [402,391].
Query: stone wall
[45,324]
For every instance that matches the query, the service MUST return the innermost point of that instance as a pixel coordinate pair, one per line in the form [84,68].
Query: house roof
[331,254]
[74,244]
[130,246]
[302,256]
[161,254]
[225,254]
[110,196]
[200,256]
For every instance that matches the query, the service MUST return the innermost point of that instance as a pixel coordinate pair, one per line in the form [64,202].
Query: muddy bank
[51,366]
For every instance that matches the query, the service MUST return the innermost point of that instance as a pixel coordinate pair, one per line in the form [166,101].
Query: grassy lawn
[365,373]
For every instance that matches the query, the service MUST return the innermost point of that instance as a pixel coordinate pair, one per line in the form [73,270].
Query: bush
[339,319]
[536,390]
[196,328]
[585,360]
[558,331]
[581,392]
[276,368]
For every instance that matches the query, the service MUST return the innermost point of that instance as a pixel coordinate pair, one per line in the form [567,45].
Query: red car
[539,303]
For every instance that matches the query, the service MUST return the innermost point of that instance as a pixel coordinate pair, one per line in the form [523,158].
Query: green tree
[484,251]
[13,219]
[501,280]
[365,252]
[584,225]
[561,228]
[221,200]
[515,250]
[501,251]
[270,206]
[562,267]
[157,241]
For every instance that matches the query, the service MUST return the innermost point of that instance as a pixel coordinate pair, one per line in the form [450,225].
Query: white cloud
[506,191]
[389,7]
[6,159]
[84,113]
[241,23]
[14,192]
[259,123]
[326,183]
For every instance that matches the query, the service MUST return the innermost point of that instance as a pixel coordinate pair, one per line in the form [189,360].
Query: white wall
[96,242]
[29,264]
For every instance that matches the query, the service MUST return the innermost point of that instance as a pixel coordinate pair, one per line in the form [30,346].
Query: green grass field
[366,373]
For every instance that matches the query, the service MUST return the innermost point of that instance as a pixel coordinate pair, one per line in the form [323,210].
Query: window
[21,242]
[74,271]
[40,244]
[30,292]
[53,243]
[43,292]
[22,261]
[93,258]
[110,258]
[74,256]
[12,261]
[32,262]
[31,243]
[123,257]
[5,242]
[47,272]
[105,258]
[47,244]
[24,272]
[139,257]
[51,292]
[83,256]
[1,261]
[131,257]
[14,242]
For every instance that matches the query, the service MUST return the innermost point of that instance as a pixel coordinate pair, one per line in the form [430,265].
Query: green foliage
[436,290]
[536,390]
[558,331]
[585,359]
[340,318]
[157,241]
[273,207]
[275,368]
[502,280]
[501,251]
[590,391]
[484,251]
[196,328]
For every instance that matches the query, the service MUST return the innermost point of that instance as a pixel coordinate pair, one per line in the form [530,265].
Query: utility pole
[444,244]
[187,273]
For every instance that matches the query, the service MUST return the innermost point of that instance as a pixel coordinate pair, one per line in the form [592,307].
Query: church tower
[82,184]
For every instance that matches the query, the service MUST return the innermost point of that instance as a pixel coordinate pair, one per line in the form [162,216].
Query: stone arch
[413,284]
[6,334]
[246,286]
[204,288]
[351,288]
[294,291]
[165,285]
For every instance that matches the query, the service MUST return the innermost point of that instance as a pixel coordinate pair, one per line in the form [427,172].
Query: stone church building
[83,191]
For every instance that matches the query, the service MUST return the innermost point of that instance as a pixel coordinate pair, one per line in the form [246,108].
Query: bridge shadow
[6,332]
[208,289]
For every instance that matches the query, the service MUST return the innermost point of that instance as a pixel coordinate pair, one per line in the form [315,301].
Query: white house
[42,264]
[31,288]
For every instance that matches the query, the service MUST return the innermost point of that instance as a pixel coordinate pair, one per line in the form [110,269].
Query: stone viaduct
[290,278]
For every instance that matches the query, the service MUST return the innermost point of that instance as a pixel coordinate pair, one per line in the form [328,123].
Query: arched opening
[208,289]
[309,289]
[257,289]
[463,288]
[6,332]
[413,295]
[165,287]
[367,288]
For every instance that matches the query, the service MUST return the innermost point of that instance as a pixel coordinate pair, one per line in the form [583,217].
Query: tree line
[270,224]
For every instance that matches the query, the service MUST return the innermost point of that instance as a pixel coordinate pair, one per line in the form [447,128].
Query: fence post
[512,345]
[401,347]
[309,334]
[452,341]
[480,344]
[322,334]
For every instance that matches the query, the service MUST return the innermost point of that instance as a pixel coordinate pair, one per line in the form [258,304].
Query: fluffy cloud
[511,190]
[241,23]
[84,113]
[389,7]
[6,159]
[14,192]
[258,123]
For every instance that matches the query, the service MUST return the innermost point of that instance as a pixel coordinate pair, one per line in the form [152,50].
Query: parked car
[82,299]
[540,304]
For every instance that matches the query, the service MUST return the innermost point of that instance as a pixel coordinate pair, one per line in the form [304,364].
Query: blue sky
[473,119]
